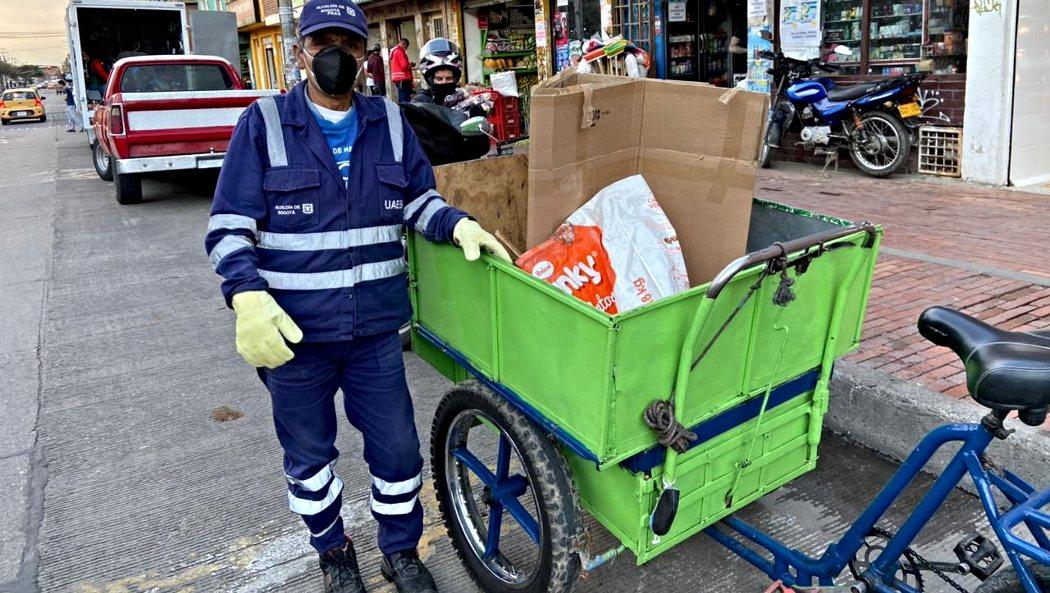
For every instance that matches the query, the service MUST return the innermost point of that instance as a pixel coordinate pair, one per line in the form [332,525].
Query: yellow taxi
[21,104]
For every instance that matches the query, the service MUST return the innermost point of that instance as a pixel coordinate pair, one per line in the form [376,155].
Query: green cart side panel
[456,299]
[594,374]
[621,501]
[556,359]
[441,362]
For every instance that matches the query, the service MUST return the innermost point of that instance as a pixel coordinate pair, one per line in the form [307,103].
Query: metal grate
[633,20]
[940,151]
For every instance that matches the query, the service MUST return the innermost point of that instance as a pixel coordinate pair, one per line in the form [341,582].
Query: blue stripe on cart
[726,421]
[515,400]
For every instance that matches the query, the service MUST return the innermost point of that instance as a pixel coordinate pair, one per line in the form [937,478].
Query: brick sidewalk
[982,250]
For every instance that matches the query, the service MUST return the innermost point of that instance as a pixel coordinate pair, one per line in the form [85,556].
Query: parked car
[18,104]
[165,113]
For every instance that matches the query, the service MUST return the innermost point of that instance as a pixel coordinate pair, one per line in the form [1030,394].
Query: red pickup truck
[165,113]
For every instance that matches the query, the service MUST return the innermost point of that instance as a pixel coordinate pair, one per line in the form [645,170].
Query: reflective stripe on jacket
[331,256]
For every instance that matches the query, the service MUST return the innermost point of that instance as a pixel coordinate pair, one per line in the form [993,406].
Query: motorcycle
[874,121]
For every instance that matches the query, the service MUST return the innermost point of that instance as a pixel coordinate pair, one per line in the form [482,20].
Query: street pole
[284,10]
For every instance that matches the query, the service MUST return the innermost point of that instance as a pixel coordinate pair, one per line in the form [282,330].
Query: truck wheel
[5,121]
[505,494]
[43,118]
[103,162]
[128,188]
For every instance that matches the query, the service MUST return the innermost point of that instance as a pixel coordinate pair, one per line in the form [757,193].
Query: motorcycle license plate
[909,109]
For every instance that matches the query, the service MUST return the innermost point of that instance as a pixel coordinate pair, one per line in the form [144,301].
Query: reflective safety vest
[330,254]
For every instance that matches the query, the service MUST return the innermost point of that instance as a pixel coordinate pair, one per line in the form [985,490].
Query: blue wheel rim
[491,500]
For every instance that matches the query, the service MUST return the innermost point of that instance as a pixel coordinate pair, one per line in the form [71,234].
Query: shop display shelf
[517,53]
[842,21]
[489,71]
[896,16]
[911,35]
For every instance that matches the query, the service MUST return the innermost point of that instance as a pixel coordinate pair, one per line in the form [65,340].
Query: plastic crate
[505,116]
[940,151]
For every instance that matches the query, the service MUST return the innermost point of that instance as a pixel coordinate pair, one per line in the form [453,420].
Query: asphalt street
[116,350]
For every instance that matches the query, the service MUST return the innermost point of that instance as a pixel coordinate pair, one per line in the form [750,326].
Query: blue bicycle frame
[794,568]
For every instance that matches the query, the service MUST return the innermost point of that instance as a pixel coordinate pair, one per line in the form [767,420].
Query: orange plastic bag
[575,261]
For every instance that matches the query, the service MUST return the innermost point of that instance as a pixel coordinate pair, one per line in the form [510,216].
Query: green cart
[550,409]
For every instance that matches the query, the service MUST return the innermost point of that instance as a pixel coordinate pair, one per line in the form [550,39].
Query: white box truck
[100,32]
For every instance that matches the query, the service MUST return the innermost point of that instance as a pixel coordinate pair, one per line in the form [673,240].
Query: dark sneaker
[341,574]
[407,572]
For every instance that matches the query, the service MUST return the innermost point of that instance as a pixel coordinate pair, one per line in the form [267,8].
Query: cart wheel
[506,495]
[874,543]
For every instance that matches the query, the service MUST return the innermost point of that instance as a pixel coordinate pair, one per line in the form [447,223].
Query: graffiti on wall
[986,6]
[930,100]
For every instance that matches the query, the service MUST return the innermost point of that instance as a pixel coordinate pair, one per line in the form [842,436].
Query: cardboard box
[494,191]
[695,144]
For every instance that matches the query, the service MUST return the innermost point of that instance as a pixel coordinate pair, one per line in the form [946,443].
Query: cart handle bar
[782,249]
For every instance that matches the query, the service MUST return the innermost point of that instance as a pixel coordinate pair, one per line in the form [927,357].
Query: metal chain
[944,576]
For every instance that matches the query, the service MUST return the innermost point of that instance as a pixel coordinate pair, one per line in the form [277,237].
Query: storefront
[891,37]
[573,22]
[506,37]
[267,57]
[707,40]
[418,22]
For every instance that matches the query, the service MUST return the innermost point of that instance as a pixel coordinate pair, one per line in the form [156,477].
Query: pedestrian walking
[72,116]
[311,255]
[377,72]
[401,71]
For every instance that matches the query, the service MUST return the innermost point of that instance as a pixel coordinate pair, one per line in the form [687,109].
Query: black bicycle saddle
[1004,370]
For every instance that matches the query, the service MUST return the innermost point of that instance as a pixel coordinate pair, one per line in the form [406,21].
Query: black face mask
[334,70]
[442,90]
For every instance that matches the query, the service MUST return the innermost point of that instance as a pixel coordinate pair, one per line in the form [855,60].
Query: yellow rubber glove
[472,239]
[262,328]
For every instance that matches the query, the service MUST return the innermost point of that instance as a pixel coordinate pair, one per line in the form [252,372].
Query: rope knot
[659,416]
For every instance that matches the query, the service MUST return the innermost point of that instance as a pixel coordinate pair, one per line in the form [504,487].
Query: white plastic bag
[638,250]
[504,83]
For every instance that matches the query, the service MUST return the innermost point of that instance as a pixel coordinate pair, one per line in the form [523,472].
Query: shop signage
[800,23]
[676,12]
[541,31]
[245,11]
[756,9]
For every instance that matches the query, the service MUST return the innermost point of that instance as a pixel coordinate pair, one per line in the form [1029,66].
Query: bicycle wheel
[1005,580]
[506,495]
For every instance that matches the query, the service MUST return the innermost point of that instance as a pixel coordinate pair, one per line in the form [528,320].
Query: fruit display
[509,63]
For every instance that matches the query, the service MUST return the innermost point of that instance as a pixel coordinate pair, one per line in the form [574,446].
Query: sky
[33,31]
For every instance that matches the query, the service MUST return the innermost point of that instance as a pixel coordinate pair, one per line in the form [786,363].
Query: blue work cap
[339,14]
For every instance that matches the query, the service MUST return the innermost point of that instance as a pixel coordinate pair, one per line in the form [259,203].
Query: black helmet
[440,54]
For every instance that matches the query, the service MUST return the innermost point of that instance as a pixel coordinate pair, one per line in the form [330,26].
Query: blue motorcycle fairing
[877,97]
[815,92]
[807,91]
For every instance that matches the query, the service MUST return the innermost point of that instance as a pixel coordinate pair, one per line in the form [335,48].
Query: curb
[891,416]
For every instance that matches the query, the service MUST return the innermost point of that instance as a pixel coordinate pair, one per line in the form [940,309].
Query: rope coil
[659,416]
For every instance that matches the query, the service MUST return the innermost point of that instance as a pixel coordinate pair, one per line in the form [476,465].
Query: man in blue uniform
[306,226]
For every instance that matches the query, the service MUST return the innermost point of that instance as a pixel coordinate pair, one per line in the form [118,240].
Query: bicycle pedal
[980,554]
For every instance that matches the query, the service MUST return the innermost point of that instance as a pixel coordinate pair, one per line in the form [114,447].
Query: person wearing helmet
[441,66]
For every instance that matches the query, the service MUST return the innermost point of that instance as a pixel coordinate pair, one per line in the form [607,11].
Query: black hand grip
[666,509]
